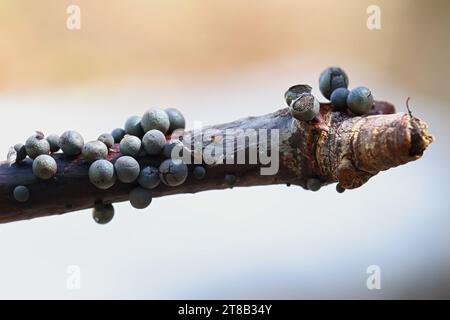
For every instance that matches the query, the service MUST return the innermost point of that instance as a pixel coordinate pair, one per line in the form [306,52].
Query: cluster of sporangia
[146,135]
[141,136]
[333,83]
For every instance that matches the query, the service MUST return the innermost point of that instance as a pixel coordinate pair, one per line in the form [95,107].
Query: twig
[334,148]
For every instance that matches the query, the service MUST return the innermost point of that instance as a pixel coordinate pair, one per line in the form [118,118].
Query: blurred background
[217,61]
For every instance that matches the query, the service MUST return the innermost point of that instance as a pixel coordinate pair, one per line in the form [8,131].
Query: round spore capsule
[21,194]
[149,177]
[37,145]
[101,174]
[133,126]
[153,142]
[331,79]
[360,100]
[176,120]
[140,198]
[44,167]
[339,98]
[118,134]
[295,91]
[199,172]
[155,119]
[71,143]
[305,107]
[21,152]
[313,184]
[127,169]
[230,179]
[94,150]
[54,142]
[339,188]
[107,139]
[130,146]
[174,149]
[103,213]
[173,172]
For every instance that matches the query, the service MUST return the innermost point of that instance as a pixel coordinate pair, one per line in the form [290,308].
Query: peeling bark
[334,147]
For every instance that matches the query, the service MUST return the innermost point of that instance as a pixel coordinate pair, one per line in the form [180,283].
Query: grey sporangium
[295,91]
[130,145]
[101,174]
[44,167]
[54,142]
[230,179]
[360,100]
[21,152]
[21,193]
[37,145]
[305,107]
[71,143]
[176,120]
[140,198]
[339,98]
[331,79]
[133,126]
[153,142]
[107,139]
[149,177]
[313,184]
[118,134]
[173,172]
[155,118]
[94,150]
[127,169]
[199,172]
[103,213]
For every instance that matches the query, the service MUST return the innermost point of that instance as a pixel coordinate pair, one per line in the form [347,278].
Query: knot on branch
[353,149]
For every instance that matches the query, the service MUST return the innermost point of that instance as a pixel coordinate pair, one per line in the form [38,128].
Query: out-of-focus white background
[216,63]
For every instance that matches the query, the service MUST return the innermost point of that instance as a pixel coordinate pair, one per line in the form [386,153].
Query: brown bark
[335,147]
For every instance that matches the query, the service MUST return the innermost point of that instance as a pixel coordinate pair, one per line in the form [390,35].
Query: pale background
[218,61]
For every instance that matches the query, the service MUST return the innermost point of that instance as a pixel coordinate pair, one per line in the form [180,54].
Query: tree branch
[334,147]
